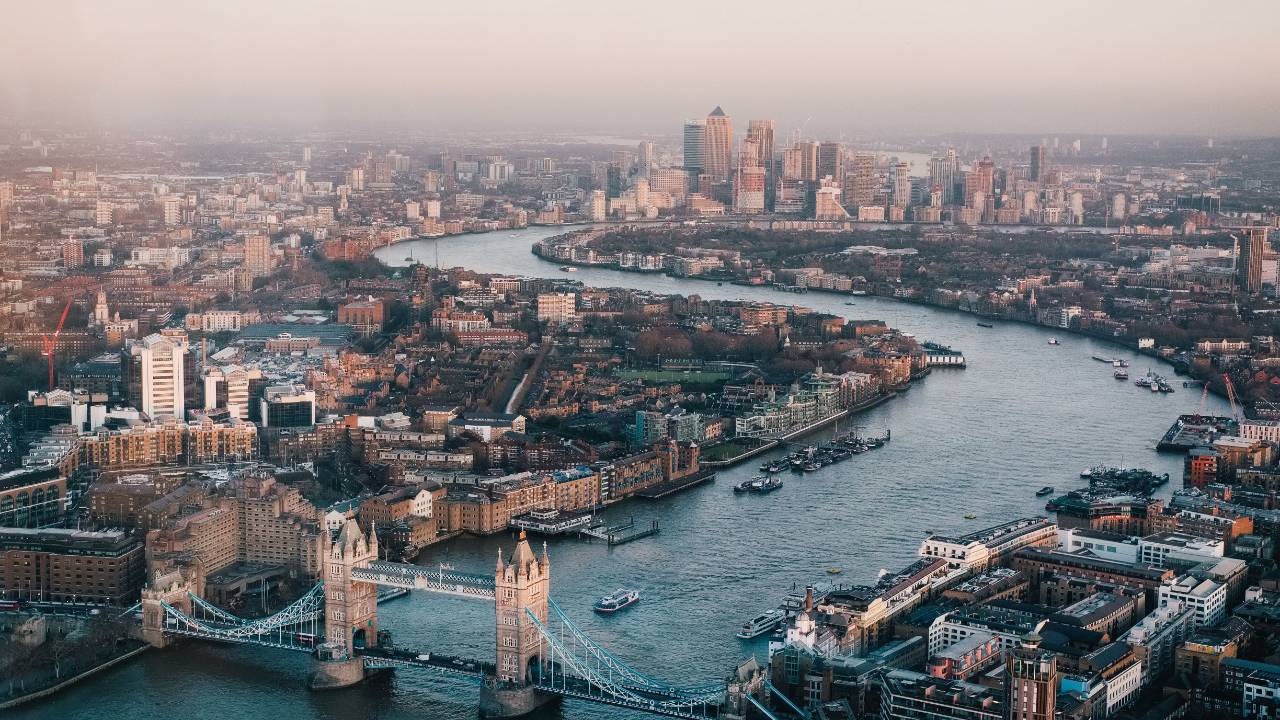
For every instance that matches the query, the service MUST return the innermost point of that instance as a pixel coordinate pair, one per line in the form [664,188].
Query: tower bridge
[540,654]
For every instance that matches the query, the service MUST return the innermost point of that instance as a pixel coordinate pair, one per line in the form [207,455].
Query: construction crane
[51,342]
[1204,396]
[1231,395]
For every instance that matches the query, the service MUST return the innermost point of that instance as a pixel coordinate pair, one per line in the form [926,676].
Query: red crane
[51,342]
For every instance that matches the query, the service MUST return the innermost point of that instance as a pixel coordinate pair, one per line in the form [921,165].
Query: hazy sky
[919,66]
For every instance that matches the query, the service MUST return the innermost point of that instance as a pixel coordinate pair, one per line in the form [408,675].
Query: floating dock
[621,534]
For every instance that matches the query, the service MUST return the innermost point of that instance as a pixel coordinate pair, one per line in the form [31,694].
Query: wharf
[675,485]
[1190,431]
[620,534]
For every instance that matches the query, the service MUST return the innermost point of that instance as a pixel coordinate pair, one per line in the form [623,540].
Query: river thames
[1023,415]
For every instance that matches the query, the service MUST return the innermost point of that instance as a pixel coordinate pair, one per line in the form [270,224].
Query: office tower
[306,154]
[792,164]
[1037,163]
[596,209]
[646,156]
[671,181]
[6,193]
[1031,681]
[860,181]
[942,174]
[300,179]
[749,190]
[808,161]
[762,132]
[981,179]
[695,143]
[227,387]
[831,161]
[1252,250]
[718,147]
[900,184]
[749,154]
[356,178]
[160,367]
[257,255]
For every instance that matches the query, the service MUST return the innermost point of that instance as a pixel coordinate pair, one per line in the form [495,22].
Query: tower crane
[1231,396]
[51,342]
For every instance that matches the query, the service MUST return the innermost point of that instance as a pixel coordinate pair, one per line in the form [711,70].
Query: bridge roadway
[417,577]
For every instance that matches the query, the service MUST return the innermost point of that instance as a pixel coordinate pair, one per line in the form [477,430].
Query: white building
[1109,546]
[1206,599]
[1162,549]
[160,360]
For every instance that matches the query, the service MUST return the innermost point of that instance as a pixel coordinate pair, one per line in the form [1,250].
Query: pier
[620,534]
[675,485]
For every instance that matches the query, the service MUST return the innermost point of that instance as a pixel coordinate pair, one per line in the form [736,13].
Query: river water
[982,440]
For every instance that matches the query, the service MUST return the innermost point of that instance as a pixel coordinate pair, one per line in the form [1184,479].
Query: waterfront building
[974,552]
[1177,550]
[814,399]
[1112,546]
[74,566]
[865,613]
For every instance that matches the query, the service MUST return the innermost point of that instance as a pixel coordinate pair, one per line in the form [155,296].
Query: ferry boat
[617,600]
[568,268]
[1046,490]
[761,624]
[1054,341]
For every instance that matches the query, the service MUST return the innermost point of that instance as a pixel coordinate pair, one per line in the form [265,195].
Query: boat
[985,325]
[969,516]
[834,570]
[568,268]
[760,485]
[617,600]
[849,304]
[1046,490]
[1120,374]
[761,624]
[1054,341]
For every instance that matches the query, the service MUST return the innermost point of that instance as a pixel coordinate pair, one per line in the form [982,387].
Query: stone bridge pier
[350,609]
[171,588]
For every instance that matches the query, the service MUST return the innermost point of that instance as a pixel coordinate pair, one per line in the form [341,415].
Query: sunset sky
[917,66]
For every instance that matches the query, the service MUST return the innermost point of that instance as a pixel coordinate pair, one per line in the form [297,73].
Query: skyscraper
[718,146]
[1037,163]
[900,184]
[808,161]
[942,174]
[831,161]
[695,144]
[1031,681]
[749,190]
[761,132]
[257,255]
[646,155]
[1249,261]
[860,181]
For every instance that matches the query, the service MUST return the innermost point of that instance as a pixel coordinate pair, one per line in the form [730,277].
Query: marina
[550,523]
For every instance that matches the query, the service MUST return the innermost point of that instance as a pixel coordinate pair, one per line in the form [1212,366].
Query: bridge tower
[350,608]
[171,588]
[521,582]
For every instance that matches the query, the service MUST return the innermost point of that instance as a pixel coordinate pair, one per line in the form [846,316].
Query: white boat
[1054,341]
[616,601]
[761,624]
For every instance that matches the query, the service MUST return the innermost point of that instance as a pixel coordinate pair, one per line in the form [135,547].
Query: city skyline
[865,68]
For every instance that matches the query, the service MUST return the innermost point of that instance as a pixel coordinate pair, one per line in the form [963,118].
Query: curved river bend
[982,440]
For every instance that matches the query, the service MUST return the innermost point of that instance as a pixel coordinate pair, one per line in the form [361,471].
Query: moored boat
[761,624]
[1046,490]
